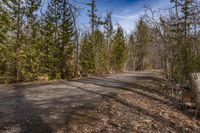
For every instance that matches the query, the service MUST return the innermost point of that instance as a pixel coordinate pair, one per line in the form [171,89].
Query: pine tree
[49,46]
[31,59]
[59,30]
[131,52]
[86,55]
[142,40]
[118,50]
[94,25]
[100,46]
[181,62]
[93,16]
[67,46]
[16,15]
[186,10]
[4,29]
[108,31]
[4,22]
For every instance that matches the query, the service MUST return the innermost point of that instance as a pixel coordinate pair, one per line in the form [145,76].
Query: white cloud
[128,16]
[125,17]
[128,20]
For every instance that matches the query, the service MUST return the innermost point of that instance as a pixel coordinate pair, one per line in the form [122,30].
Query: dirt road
[120,103]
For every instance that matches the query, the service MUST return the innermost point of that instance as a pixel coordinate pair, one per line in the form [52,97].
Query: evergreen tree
[186,48]
[118,50]
[4,22]
[142,40]
[182,56]
[108,31]
[31,59]
[49,47]
[67,46]
[131,52]
[94,25]
[92,15]
[16,15]
[59,30]
[100,46]
[87,55]
[4,29]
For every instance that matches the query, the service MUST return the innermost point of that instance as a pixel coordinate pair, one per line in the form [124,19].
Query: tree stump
[195,89]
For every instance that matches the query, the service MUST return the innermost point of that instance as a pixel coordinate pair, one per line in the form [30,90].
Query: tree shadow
[134,87]
[126,86]
[25,117]
[140,111]
[28,115]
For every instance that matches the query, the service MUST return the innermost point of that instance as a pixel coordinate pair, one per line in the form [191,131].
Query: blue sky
[125,12]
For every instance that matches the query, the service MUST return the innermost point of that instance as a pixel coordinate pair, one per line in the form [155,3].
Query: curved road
[110,103]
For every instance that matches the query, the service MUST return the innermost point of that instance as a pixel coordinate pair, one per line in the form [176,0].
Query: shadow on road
[112,83]
[28,116]
[25,116]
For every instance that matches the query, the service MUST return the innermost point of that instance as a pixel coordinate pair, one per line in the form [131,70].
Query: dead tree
[73,13]
[195,89]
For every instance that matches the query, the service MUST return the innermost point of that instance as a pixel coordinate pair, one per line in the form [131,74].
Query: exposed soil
[119,103]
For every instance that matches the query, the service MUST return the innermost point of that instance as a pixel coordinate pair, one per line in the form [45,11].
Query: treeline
[34,44]
[103,50]
[168,39]
[44,43]
[39,42]
[176,33]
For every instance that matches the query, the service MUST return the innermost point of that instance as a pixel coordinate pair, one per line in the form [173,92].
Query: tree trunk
[195,89]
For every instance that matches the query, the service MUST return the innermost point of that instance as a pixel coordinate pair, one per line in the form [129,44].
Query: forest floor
[117,103]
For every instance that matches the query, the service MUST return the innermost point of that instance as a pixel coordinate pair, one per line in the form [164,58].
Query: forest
[38,43]
[67,66]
